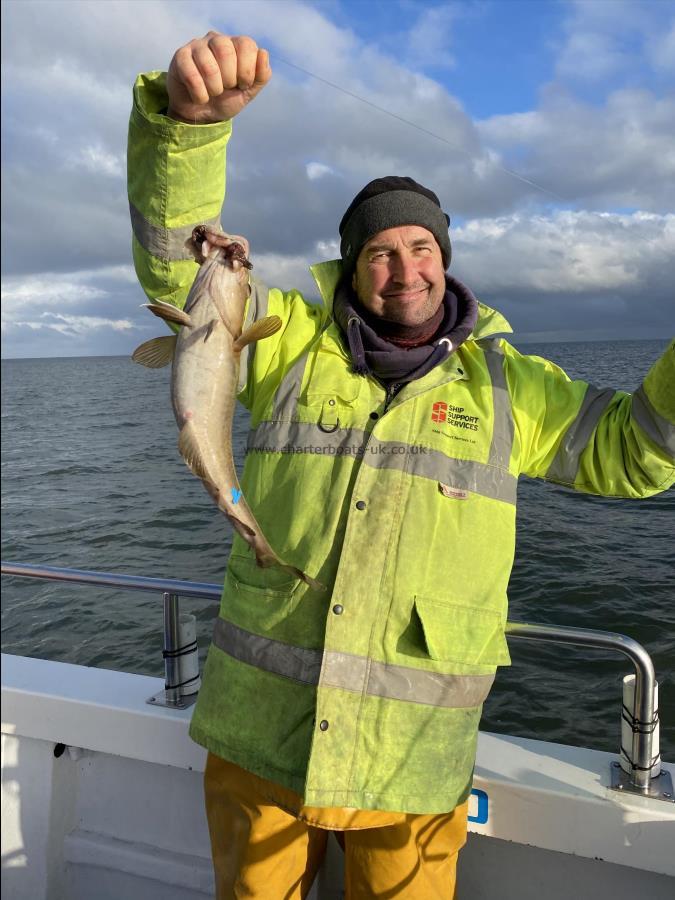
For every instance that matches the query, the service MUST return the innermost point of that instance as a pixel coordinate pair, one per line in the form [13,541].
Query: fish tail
[265,560]
[312,582]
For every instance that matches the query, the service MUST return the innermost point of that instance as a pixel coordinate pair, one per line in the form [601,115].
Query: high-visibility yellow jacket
[369,693]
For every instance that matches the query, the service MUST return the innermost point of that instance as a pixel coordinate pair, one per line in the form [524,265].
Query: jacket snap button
[323,725]
[338,609]
[331,402]
[360,504]
[374,415]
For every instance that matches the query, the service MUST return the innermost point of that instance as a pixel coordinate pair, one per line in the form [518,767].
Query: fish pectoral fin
[261,329]
[189,450]
[169,312]
[156,353]
[209,329]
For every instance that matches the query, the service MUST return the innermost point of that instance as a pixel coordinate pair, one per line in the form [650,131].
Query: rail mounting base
[180,703]
[659,788]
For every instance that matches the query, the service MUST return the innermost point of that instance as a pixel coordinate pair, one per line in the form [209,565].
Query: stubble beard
[402,312]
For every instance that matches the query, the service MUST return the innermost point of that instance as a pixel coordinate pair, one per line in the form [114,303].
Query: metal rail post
[171,661]
[645,716]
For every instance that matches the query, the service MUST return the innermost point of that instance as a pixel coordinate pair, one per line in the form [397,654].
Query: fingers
[263,70]
[216,63]
[247,57]
[205,238]
[222,239]
[239,239]
[184,69]
[225,55]
[209,70]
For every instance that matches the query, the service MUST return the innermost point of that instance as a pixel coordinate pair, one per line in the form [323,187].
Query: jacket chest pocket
[329,414]
[468,636]
[332,409]
[331,396]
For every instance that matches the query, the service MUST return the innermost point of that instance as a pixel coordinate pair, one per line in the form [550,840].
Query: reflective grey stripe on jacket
[503,428]
[288,392]
[350,672]
[658,429]
[166,243]
[257,309]
[463,474]
[283,435]
[566,462]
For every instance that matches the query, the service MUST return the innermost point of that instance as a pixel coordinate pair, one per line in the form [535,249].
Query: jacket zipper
[390,394]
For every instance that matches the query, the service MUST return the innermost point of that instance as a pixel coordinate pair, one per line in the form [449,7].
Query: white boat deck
[119,814]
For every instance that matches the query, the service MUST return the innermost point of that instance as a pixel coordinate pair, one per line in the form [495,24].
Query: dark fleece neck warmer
[371,340]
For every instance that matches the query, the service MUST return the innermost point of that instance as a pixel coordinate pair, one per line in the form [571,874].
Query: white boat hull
[119,815]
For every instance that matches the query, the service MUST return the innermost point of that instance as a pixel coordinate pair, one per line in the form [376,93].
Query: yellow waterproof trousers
[266,845]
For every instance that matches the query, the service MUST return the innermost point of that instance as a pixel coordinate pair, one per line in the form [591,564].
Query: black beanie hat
[387,203]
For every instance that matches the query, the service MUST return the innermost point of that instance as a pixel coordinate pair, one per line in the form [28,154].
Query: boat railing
[637,770]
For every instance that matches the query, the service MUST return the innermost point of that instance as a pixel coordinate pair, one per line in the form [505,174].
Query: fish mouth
[233,248]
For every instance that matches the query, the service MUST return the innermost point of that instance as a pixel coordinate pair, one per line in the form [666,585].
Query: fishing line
[421,128]
[439,137]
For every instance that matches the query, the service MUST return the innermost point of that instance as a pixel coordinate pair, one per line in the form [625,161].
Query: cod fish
[206,354]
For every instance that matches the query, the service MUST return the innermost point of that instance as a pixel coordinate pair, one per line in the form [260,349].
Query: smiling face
[400,275]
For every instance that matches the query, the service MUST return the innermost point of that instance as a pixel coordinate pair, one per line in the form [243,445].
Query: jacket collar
[327,275]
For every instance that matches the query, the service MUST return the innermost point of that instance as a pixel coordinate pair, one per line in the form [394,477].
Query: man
[388,429]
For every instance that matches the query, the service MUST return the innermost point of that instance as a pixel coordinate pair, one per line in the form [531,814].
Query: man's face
[400,276]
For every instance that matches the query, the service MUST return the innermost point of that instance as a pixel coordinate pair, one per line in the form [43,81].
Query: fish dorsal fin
[156,353]
[261,329]
[168,312]
[189,450]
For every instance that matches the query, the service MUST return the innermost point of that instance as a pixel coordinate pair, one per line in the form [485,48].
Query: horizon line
[511,337]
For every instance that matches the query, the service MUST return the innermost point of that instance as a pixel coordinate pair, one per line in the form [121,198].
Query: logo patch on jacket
[453,415]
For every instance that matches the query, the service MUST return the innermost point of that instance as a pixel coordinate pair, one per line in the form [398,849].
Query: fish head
[205,242]
[223,279]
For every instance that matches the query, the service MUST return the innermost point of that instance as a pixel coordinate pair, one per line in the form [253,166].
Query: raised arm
[179,128]
[599,441]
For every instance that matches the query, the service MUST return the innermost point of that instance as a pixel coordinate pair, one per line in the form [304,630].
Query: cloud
[82,308]
[96,159]
[303,150]
[94,46]
[318,170]
[570,252]
[428,40]
[73,325]
[591,56]
[296,30]
[286,272]
[614,37]
[621,155]
[599,275]
[661,50]
[59,288]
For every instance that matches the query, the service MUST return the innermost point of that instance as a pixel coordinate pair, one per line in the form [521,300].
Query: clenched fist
[213,78]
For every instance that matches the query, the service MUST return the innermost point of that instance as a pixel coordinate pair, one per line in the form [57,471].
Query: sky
[546,128]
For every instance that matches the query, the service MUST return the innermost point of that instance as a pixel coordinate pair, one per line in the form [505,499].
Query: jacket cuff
[149,113]
[659,385]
